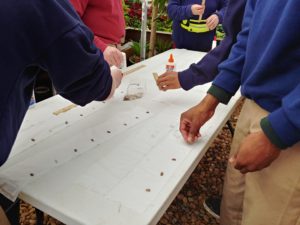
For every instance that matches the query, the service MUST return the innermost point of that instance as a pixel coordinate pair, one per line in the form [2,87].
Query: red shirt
[104,17]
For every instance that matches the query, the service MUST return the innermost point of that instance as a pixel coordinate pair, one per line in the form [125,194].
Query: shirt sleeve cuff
[278,128]
[219,93]
[189,11]
[271,134]
[185,81]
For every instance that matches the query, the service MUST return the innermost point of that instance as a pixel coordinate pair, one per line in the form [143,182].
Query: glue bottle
[170,66]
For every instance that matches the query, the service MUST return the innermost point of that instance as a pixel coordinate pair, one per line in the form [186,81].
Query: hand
[197,9]
[113,56]
[212,21]
[117,76]
[168,80]
[255,153]
[192,120]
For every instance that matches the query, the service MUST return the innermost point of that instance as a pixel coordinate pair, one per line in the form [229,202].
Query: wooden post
[153,30]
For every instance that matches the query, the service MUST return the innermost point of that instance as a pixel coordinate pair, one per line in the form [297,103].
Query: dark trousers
[12,209]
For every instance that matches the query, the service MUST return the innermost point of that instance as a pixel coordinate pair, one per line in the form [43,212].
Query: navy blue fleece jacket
[45,34]
[179,10]
[265,63]
[206,70]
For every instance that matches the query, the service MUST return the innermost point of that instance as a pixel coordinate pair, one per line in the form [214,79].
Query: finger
[252,168]
[210,23]
[192,138]
[112,60]
[209,26]
[120,58]
[214,24]
[238,165]
[193,134]
[212,27]
[184,128]
[169,85]
[200,7]
[163,79]
[116,59]
[210,20]
[232,159]
[244,170]
[162,85]
[168,74]
[201,11]
[165,88]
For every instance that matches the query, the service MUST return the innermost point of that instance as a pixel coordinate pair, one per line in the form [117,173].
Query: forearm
[209,103]
[77,68]
[207,68]
[220,13]
[229,77]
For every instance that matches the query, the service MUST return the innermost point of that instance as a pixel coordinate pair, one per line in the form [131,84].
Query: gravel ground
[187,208]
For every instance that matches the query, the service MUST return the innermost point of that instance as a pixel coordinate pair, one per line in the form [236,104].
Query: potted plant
[158,21]
[162,45]
[136,53]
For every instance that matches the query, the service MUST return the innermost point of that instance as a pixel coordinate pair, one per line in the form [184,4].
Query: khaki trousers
[3,218]
[267,197]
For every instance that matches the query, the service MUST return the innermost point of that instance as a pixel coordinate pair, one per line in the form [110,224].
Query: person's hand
[197,10]
[168,80]
[113,56]
[117,76]
[212,21]
[255,153]
[192,120]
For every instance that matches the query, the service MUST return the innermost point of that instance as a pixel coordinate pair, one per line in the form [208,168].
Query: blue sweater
[265,62]
[206,69]
[45,34]
[179,10]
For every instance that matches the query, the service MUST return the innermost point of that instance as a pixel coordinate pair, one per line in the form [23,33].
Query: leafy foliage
[162,45]
[220,33]
[133,13]
[136,46]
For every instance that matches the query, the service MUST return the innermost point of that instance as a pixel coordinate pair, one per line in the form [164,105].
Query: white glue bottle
[170,66]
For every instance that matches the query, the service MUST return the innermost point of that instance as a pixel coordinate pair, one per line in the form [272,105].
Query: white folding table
[114,162]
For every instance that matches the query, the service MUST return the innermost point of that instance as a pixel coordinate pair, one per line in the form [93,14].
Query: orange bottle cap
[171,59]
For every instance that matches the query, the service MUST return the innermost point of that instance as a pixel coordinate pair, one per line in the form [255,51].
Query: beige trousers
[267,197]
[3,218]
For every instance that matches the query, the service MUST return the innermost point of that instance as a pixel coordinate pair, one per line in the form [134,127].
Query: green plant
[161,4]
[162,45]
[136,47]
[133,12]
[220,33]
